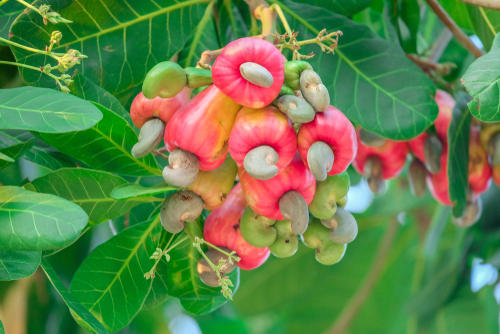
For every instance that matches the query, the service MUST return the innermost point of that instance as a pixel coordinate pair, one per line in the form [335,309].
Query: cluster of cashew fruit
[379,159]
[267,123]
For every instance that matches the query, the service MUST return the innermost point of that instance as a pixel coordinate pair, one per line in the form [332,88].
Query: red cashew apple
[429,148]
[438,183]
[479,168]
[327,144]
[263,141]
[222,228]
[283,197]
[150,116]
[250,71]
[197,136]
[143,109]
[380,163]
[496,175]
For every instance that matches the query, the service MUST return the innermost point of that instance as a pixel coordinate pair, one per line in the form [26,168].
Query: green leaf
[233,21]
[204,38]
[5,158]
[45,110]
[33,221]
[110,282]
[343,7]
[369,79]
[106,146]
[458,157]
[81,315]
[379,23]
[482,81]
[459,12]
[122,40]
[88,188]
[18,264]
[486,24]
[48,159]
[136,191]
[183,281]
[86,89]
[8,12]
[12,148]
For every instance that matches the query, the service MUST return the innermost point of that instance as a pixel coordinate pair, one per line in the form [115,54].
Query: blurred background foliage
[409,271]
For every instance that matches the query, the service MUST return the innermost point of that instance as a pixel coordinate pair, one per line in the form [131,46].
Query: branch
[454,28]
[492,4]
[347,316]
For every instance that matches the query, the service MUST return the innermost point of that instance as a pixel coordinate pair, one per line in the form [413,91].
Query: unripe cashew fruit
[202,127]
[314,91]
[333,129]
[317,237]
[296,108]
[149,138]
[214,186]
[207,274]
[286,243]
[343,227]
[258,231]
[293,70]
[222,228]
[250,71]
[417,174]
[181,207]
[328,193]
[165,79]
[263,141]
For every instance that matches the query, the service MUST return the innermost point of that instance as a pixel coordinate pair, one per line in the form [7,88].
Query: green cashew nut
[256,74]
[320,160]
[296,108]
[328,195]
[433,148]
[285,90]
[165,79]
[343,227]
[317,237]
[257,230]
[293,207]
[260,162]
[286,243]
[207,274]
[198,77]
[293,69]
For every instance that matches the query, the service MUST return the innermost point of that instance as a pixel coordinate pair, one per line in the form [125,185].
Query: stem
[27,48]
[25,4]
[456,31]
[283,19]
[5,62]
[158,153]
[349,313]
[176,244]
[492,4]
[230,255]
[440,45]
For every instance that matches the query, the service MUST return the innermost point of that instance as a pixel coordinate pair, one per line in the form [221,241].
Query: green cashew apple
[286,243]
[317,237]
[329,194]
[257,230]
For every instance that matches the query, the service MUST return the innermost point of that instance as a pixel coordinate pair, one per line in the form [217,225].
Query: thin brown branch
[378,265]
[492,4]
[454,28]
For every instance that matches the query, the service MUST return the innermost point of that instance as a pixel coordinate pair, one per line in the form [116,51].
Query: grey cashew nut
[313,90]
[181,207]
[417,174]
[150,136]
[207,274]
[433,148]
[373,172]
[294,208]
[260,162]
[371,139]
[344,228]
[256,74]
[182,170]
[320,160]
[296,108]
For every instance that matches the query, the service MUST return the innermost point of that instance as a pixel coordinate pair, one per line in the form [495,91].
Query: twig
[454,28]
[492,4]
[378,265]
[440,45]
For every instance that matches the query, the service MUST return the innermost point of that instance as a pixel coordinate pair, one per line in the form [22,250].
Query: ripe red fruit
[143,109]
[250,71]
[263,141]
[283,197]
[222,228]
[336,131]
